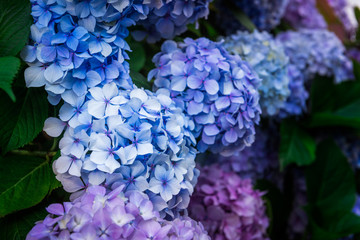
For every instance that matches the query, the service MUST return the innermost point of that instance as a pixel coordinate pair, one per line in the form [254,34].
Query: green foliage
[276,207]
[9,66]
[15,22]
[24,182]
[243,19]
[137,56]
[296,145]
[335,105]
[17,226]
[331,193]
[139,80]
[22,121]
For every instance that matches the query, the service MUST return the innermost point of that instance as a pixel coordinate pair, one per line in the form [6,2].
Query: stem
[34,153]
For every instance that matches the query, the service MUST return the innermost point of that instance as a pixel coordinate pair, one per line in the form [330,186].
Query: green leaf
[331,193]
[9,66]
[356,66]
[278,208]
[139,80]
[137,56]
[296,145]
[15,22]
[243,19]
[22,121]
[357,14]
[337,106]
[24,182]
[17,226]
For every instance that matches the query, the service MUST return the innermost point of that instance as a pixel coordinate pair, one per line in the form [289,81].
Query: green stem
[34,153]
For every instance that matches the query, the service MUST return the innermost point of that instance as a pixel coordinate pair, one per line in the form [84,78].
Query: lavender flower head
[228,207]
[312,52]
[265,14]
[218,91]
[114,215]
[171,19]
[256,162]
[268,59]
[304,14]
[135,137]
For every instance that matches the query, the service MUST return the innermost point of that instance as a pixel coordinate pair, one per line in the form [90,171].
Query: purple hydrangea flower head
[113,215]
[354,53]
[135,138]
[268,59]
[304,14]
[255,162]
[228,206]
[217,91]
[339,7]
[265,14]
[171,18]
[322,53]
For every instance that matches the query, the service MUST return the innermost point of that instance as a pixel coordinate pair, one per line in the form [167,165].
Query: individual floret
[268,59]
[133,137]
[228,207]
[113,215]
[216,90]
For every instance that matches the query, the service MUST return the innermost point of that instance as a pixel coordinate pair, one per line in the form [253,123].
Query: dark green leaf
[331,194]
[15,21]
[211,31]
[54,183]
[137,57]
[24,182]
[22,121]
[337,106]
[296,145]
[192,28]
[357,14]
[139,80]
[278,208]
[17,226]
[243,19]
[356,66]
[9,66]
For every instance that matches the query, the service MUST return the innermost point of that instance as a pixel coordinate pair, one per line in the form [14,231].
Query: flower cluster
[268,59]
[228,206]
[77,45]
[321,53]
[133,137]
[97,215]
[256,162]
[339,7]
[265,14]
[218,91]
[304,14]
[171,19]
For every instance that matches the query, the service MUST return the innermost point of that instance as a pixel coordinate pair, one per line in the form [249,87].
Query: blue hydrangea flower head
[171,18]
[265,14]
[102,214]
[268,59]
[216,90]
[136,138]
[312,52]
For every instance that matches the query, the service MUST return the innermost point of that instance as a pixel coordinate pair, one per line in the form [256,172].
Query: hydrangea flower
[304,14]
[265,14]
[218,91]
[171,19]
[77,45]
[321,53]
[268,59]
[114,215]
[256,162]
[228,207]
[134,137]
[339,7]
